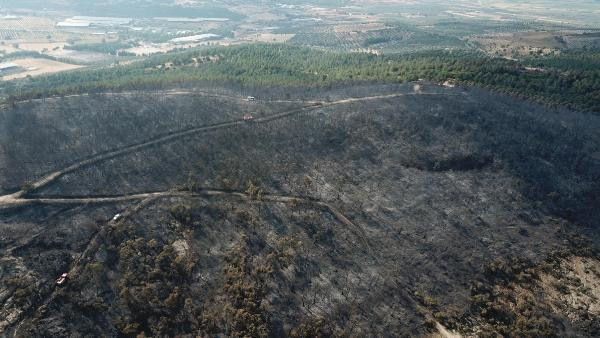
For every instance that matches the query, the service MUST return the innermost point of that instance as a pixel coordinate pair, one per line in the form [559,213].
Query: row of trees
[112,48]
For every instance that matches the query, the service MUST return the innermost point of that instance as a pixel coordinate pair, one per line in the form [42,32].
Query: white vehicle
[117,217]
[250,98]
[62,279]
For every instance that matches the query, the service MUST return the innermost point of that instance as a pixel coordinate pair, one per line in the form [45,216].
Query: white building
[194,38]
[179,19]
[97,21]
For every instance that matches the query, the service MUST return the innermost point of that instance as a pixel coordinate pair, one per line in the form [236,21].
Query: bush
[182,213]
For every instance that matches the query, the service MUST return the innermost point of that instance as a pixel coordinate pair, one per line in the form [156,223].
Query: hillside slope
[377,209]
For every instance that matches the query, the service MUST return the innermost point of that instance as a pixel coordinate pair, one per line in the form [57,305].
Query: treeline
[576,60]
[31,54]
[26,54]
[565,80]
[111,48]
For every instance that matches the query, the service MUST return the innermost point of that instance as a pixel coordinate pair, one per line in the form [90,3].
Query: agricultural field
[32,31]
[390,39]
[39,35]
[270,37]
[528,43]
[37,66]
[27,27]
[387,27]
[149,49]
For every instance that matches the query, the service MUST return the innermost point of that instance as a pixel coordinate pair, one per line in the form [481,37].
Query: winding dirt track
[18,198]
[203,193]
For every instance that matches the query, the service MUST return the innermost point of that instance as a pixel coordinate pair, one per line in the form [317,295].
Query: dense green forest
[566,80]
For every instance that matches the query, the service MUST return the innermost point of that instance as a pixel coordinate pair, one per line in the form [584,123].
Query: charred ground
[365,209]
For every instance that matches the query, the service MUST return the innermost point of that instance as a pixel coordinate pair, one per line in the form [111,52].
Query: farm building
[94,21]
[73,23]
[194,38]
[179,19]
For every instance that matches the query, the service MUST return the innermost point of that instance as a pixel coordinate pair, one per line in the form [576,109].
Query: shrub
[182,213]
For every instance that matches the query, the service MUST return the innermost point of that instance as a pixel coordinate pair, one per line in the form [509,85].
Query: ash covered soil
[384,210]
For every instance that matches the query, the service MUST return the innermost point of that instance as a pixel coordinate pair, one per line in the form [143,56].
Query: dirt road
[17,198]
